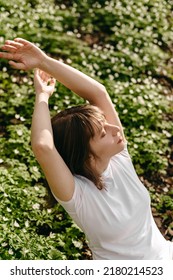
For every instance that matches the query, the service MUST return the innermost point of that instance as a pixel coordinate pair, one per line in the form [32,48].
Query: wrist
[44,63]
[42,96]
[42,57]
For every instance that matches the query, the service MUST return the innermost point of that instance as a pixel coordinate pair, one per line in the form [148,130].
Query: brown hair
[72,130]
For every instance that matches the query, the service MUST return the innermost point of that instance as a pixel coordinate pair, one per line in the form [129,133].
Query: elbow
[40,150]
[102,94]
[102,89]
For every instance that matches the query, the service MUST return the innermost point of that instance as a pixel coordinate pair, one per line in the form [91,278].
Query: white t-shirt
[117,221]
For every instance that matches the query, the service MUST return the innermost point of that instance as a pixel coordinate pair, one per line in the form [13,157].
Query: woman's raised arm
[58,175]
[25,55]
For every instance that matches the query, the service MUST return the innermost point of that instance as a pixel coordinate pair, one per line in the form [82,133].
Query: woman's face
[107,141]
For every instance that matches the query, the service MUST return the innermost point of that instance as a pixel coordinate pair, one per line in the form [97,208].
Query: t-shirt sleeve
[74,204]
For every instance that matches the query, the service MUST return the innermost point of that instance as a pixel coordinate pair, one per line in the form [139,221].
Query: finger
[36,73]
[6,55]
[37,76]
[22,41]
[13,43]
[16,65]
[42,75]
[52,82]
[8,48]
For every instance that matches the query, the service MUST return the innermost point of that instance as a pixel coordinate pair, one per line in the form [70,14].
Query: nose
[114,129]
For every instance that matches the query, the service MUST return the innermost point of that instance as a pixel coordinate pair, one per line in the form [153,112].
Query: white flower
[69,60]
[27,224]
[63,7]
[141,100]
[95,65]
[153,135]
[14,79]
[19,132]
[70,33]
[150,142]
[166,133]
[22,119]
[111,77]
[55,107]
[78,35]
[25,251]
[16,224]
[139,111]
[36,206]
[17,116]
[1,38]
[25,80]
[133,81]
[36,188]
[125,111]
[153,86]
[35,168]
[77,244]
[10,251]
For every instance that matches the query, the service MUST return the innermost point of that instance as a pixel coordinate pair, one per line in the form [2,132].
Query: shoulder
[74,204]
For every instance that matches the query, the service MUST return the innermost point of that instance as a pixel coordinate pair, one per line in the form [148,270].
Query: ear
[92,161]
[91,157]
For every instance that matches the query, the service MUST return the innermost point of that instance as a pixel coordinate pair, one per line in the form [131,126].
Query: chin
[122,145]
[119,147]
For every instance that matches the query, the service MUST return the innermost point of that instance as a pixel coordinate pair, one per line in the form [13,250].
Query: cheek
[94,146]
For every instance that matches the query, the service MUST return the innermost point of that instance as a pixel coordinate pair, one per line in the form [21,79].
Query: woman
[83,153]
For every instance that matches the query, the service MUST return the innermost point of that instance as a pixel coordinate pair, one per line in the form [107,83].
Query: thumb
[36,74]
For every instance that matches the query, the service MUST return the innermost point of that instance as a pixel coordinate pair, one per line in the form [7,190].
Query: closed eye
[103,134]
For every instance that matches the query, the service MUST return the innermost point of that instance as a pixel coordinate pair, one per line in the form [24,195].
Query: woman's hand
[22,54]
[43,82]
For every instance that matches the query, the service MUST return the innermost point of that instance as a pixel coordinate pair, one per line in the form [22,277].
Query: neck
[99,164]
